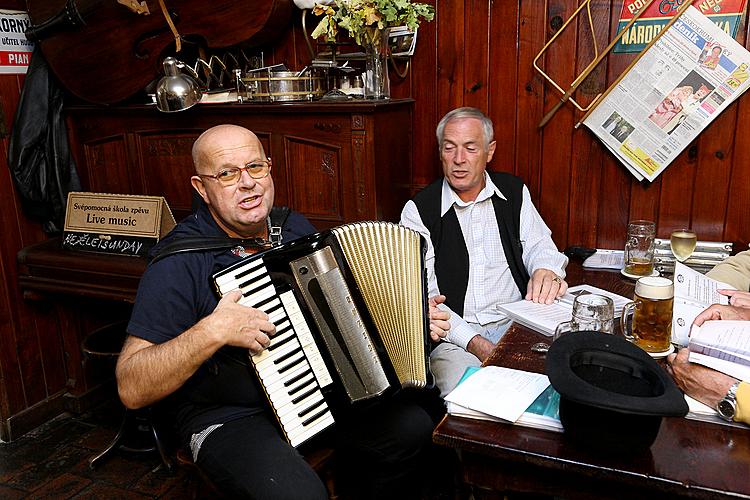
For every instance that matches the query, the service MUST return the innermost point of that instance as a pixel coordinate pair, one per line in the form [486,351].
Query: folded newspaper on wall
[692,73]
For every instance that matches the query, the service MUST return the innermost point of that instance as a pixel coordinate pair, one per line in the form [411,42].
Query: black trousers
[382,450]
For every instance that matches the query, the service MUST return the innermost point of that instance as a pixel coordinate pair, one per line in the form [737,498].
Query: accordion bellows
[351,316]
[386,260]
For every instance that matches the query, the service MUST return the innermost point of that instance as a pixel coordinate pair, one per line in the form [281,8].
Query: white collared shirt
[490,280]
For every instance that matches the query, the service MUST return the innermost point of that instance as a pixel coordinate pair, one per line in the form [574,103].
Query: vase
[377,84]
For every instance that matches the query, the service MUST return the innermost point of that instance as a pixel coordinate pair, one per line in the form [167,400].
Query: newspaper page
[679,85]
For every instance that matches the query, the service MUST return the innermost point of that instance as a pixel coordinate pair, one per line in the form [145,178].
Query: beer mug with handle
[591,312]
[639,249]
[651,311]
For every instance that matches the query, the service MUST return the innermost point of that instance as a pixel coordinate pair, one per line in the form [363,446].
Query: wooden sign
[115,223]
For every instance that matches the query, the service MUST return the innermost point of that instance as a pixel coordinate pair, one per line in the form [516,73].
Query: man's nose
[459,156]
[246,179]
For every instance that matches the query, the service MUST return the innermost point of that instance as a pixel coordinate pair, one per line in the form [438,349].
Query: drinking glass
[591,312]
[651,310]
[682,242]
[639,248]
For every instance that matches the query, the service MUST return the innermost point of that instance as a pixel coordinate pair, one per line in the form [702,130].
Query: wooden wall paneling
[529,92]
[737,218]
[675,182]
[317,186]
[712,175]
[587,189]
[505,93]
[450,45]
[166,164]
[424,73]
[613,213]
[551,195]
[392,178]
[475,57]
[106,159]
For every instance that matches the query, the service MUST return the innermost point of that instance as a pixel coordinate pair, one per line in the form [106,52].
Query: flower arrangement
[365,20]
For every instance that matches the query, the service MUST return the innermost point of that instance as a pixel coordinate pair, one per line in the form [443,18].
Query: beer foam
[654,287]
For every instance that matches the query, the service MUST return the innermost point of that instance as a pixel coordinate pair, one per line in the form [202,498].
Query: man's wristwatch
[727,407]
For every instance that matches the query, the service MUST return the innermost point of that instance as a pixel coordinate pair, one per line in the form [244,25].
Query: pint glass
[639,248]
[651,309]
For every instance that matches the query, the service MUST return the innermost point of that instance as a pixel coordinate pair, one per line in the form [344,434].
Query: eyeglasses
[231,176]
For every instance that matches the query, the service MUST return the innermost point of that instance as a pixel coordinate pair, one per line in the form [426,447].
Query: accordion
[351,315]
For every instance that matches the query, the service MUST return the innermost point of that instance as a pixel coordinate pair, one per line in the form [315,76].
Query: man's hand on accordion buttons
[243,326]
[439,324]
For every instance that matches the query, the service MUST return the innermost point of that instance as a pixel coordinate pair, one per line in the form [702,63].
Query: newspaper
[679,85]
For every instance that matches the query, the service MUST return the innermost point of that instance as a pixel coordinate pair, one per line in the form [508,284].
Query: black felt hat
[613,395]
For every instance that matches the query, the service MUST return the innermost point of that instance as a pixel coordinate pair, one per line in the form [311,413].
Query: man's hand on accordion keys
[242,326]
[439,324]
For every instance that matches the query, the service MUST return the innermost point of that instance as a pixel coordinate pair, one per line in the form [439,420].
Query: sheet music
[501,392]
[693,292]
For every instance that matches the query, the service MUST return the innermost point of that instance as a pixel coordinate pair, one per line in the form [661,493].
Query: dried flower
[366,19]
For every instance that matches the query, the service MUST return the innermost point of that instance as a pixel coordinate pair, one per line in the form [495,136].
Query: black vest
[451,255]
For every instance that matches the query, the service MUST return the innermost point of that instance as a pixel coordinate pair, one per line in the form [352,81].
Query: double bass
[104,51]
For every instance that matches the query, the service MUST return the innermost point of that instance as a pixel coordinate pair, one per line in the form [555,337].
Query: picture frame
[402,41]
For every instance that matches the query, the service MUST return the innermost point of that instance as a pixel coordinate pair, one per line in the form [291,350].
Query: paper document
[605,259]
[723,345]
[501,392]
[693,292]
[544,318]
[544,412]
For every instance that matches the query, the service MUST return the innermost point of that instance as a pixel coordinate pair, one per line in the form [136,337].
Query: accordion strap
[276,220]
[206,243]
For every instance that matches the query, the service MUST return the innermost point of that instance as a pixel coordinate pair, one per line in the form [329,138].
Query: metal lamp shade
[176,91]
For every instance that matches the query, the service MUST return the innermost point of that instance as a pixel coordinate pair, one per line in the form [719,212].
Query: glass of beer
[682,242]
[639,248]
[591,312]
[651,311]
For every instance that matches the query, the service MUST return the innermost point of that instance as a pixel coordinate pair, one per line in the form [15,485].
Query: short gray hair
[457,113]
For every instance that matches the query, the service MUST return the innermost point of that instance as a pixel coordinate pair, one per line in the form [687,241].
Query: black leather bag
[39,157]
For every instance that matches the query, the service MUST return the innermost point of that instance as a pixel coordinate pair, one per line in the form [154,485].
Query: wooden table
[688,459]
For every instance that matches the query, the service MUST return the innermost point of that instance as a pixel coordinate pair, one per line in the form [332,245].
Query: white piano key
[263,359]
[229,281]
[289,412]
[303,433]
[272,372]
[278,384]
[284,395]
[266,354]
[258,296]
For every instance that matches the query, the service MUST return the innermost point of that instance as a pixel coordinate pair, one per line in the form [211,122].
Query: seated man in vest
[189,350]
[487,245]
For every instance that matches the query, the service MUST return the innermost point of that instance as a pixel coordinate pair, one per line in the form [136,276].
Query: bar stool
[105,343]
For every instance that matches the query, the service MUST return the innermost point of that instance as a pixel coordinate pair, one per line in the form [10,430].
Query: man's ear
[491,150]
[197,184]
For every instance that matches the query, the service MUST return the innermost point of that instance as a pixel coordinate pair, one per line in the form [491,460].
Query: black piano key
[305,394]
[297,377]
[281,342]
[312,407]
[314,417]
[290,366]
[287,356]
[303,386]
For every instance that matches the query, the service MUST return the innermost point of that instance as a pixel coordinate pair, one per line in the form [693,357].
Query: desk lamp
[177,91]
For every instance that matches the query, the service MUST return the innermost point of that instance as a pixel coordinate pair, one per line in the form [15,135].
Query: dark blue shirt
[174,294]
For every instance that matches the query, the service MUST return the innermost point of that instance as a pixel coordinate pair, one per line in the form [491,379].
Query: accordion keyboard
[291,368]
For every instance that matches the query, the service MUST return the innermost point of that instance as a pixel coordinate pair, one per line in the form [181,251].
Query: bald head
[218,138]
